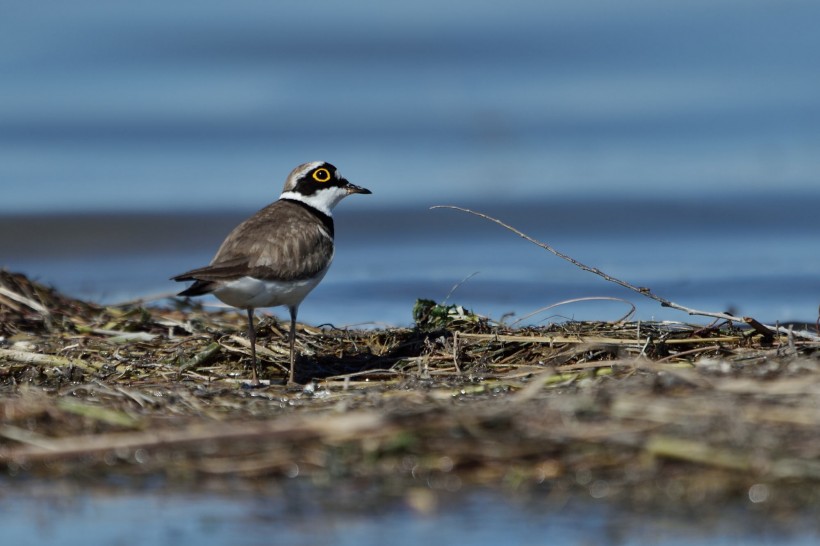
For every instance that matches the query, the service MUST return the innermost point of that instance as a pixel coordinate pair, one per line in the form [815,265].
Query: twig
[119,335]
[349,425]
[697,452]
[761,329]
[28,302]
[640,290]
[455,351]
[98,413]
[25,357]
[200,358]
[592,340]
[25,436]
[689,352]
[457,285]
[577,300]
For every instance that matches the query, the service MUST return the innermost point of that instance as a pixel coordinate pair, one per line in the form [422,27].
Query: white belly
[248,292]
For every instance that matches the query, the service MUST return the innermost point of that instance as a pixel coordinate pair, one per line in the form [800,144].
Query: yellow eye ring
[321,175]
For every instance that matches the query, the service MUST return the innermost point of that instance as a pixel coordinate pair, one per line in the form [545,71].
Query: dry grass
[649,413]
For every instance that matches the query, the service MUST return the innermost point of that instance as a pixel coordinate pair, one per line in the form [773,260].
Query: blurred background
[674,145]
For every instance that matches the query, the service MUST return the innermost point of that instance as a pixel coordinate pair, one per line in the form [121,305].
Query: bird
[278,255]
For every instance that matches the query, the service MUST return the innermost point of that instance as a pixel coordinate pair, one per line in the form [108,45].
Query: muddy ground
[648,414]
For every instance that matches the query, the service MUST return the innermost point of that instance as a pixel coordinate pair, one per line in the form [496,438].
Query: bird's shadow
[353,353]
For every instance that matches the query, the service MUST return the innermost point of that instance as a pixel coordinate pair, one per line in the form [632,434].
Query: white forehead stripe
[306,168]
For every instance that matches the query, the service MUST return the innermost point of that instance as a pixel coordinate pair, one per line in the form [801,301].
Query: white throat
[323,200]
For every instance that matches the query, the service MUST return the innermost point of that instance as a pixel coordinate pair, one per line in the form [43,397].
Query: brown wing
[284,241]
[207,277]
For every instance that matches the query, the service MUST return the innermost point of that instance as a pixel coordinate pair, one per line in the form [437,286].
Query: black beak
[353,188]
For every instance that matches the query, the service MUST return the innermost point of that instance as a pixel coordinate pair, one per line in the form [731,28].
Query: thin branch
[639,289]
[457,285]
[26,357]
[577,300]
[19,298]
[348,425]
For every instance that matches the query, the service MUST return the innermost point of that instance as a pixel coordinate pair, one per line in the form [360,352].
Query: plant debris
[644,412]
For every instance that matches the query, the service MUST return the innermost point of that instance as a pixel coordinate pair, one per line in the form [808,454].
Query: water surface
[295,515]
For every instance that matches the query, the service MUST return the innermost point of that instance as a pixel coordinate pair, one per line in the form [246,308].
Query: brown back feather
[281,242]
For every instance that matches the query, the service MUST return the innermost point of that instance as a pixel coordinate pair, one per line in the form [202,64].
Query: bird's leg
[252,339]
[293,310]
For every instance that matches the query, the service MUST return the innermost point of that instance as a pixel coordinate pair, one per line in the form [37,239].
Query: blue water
[111,106]
[563,106]
[751,257]
[292,517]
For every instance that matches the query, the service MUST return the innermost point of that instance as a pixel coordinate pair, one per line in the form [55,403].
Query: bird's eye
[321,175]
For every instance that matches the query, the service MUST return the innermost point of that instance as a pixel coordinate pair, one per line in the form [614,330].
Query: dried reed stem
[644,291]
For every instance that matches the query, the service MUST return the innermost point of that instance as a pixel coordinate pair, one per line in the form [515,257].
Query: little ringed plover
[278,255]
